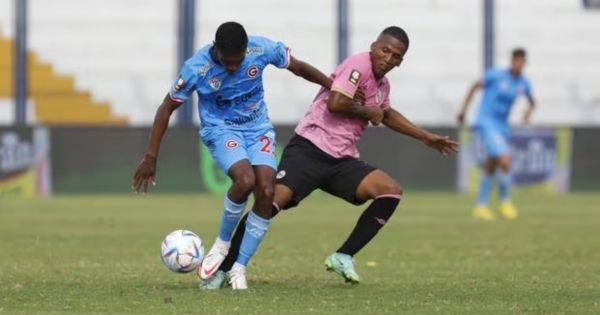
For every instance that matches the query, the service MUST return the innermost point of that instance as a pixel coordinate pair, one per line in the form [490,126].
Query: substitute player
[501,87]
[324,155]
[234,125]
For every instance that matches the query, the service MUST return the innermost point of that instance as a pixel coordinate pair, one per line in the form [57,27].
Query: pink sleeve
[348,78]
[386,95]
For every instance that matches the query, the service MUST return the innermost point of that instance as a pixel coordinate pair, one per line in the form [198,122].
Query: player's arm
[340,103]
[529,110]
[308,72]
[397,122]
[463,111]
[146,170]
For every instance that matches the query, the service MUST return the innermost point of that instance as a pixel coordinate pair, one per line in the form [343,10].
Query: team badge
[215,83]
[280,175]
[231,144]
[379,97]
[204,69]
[354,76]
[253,72]
[179,85]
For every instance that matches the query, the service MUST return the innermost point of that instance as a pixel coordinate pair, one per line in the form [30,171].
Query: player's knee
[390,188]
[245,182]
[265,190]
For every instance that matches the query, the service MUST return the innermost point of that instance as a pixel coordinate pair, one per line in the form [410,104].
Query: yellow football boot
[483,213]
[508,210]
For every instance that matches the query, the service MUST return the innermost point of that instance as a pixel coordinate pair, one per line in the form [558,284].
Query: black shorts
[304,168]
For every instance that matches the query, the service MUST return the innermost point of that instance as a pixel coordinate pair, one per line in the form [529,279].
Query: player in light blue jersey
[234,125]
[501,87]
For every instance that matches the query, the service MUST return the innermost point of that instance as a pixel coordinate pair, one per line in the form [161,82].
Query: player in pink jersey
[323,153]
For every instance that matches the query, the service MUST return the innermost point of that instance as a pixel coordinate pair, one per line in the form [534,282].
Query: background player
[324,155]
[227,75]
[500,89]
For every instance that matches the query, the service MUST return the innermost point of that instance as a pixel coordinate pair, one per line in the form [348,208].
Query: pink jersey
[335,134]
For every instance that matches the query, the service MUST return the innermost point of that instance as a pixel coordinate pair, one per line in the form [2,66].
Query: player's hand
[144,174]
[360,97]
[461,118]
[375,115]
[443,144]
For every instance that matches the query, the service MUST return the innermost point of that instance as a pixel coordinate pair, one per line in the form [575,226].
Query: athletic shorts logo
[354,76]
[280,175]
[231,144]
[215,83]
[179,85]
[252,72]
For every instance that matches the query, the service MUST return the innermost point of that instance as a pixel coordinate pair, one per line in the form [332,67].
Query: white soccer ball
[182,251]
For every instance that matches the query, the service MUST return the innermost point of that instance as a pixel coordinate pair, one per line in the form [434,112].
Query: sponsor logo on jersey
[253,115]
[231,144]
[354,76]
[215,83]
[220,100]
[254,50]
[281,174]
[252,72]
[180,84]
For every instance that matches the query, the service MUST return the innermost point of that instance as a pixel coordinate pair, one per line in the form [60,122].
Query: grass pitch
[100,255]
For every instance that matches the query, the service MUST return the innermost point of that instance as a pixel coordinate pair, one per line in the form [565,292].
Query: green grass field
[100,255]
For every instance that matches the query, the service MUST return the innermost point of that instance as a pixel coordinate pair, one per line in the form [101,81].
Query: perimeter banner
[541,159]
[24,162]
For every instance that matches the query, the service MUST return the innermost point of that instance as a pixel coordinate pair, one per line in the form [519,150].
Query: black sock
[369,223]
[236,240]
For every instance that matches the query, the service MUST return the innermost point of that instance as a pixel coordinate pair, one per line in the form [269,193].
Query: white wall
[124,50]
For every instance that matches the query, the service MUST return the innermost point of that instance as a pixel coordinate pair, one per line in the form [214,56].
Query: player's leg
[261,152]
[358,182]
[496,145]
[482,210]
[507,208]
[293,183]
[229,152]
[283,195]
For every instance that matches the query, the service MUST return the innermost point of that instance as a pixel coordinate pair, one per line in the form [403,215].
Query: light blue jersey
[501,89]
[234,122]
[233,101]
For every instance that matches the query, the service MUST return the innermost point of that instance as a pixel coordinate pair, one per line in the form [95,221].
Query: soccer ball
[182,251]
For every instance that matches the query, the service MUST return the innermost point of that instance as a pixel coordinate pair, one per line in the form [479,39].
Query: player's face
[386,53]
[231,62]
[517,64]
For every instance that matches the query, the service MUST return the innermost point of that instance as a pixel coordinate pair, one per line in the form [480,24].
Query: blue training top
[501,89]
[233,101]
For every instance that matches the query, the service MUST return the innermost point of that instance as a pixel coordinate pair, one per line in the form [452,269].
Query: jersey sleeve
[184,85]
[489,77]
[278,54]
[349,78]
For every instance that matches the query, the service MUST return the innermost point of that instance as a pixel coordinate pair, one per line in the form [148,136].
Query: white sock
[239,267]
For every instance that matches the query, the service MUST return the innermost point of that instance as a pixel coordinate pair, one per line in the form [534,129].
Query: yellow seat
[56,99]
